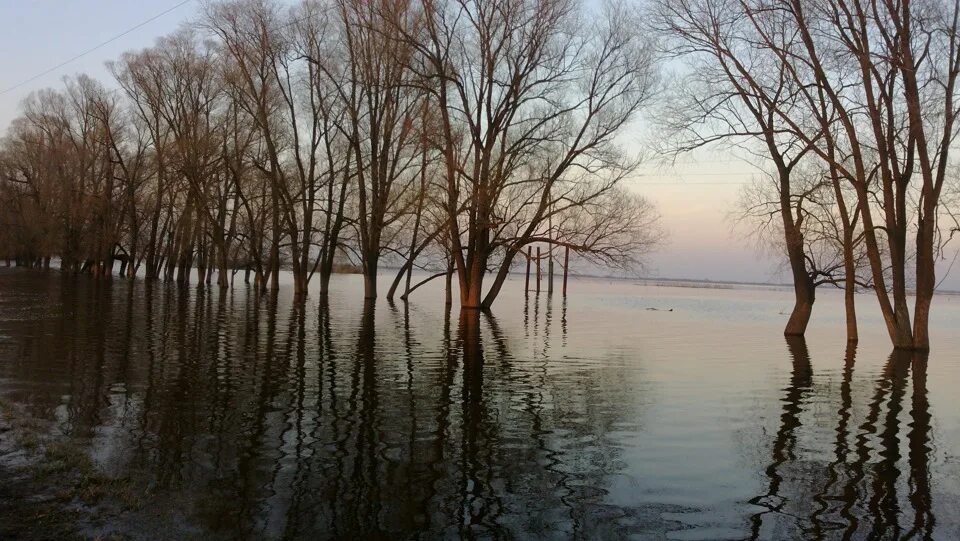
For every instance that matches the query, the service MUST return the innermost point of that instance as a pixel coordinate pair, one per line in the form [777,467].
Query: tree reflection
[784,442]
[920,496]
[820,521]
[859,492]
[269,416]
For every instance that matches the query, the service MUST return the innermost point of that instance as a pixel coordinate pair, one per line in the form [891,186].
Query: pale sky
[695,197]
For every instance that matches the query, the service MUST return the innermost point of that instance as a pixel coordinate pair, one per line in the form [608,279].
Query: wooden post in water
[566,268]
[550,272]
[526,286]
[550,255]
[538,270]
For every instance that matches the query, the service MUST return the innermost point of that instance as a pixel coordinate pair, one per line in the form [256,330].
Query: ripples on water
[594,417]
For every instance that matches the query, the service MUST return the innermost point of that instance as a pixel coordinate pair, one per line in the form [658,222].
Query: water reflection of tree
[283,419]
[855,494]
[785,440]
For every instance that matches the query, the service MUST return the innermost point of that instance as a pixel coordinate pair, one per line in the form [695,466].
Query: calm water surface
[603,416]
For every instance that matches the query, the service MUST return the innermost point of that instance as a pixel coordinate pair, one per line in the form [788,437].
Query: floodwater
[605,415]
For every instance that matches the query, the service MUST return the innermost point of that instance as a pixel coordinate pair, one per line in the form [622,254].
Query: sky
[695,196]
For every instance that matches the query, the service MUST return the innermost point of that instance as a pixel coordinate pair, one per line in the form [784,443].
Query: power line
[681,184]
[94,48]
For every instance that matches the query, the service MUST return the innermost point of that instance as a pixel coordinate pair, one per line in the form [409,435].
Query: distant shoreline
[709,284]
[640,280]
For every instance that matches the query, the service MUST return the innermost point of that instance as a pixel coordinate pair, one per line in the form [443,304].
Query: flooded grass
[52,489]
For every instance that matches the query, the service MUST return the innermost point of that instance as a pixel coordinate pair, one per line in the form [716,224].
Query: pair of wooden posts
[566,269]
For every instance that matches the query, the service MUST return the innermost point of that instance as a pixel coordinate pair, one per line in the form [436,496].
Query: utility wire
[94,48]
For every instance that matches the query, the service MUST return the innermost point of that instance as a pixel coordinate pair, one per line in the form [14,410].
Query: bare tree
[444,136]
[832,243]
[374,81]
[731,95]
[532,96]
[898,119]
[858,76]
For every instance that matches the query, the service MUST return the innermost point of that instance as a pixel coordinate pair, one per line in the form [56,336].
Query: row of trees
[852,106]
[443,134]
[452,134]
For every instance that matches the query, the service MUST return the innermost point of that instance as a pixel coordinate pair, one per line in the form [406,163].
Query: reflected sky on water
[605,415]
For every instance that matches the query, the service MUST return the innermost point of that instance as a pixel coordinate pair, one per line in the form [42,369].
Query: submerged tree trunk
[804,296]
[448,288]
[471,290]
[849,293]
[926,284]
[326,269]
[370,275]
[501,277]
[804,288]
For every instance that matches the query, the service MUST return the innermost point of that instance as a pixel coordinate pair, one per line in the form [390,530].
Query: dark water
[594,417]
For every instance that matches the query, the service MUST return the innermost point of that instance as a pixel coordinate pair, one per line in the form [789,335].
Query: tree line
[453,134]
[444,135]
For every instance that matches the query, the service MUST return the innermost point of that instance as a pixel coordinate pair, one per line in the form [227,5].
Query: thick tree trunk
[804,295]
[370,276]
[804,289]
[326,269]
[471,292]
[300,281]
[222,268]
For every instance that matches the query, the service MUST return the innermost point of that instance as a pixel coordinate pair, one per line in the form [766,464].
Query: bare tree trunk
[416,224]
[326,269]
[804,290]
[448,291]
[273,267]
[804,296]
[370,275]
[471,292]
[502,274]
[403,272]
[202,253]
[155,234]
[850,288]
[926,283]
